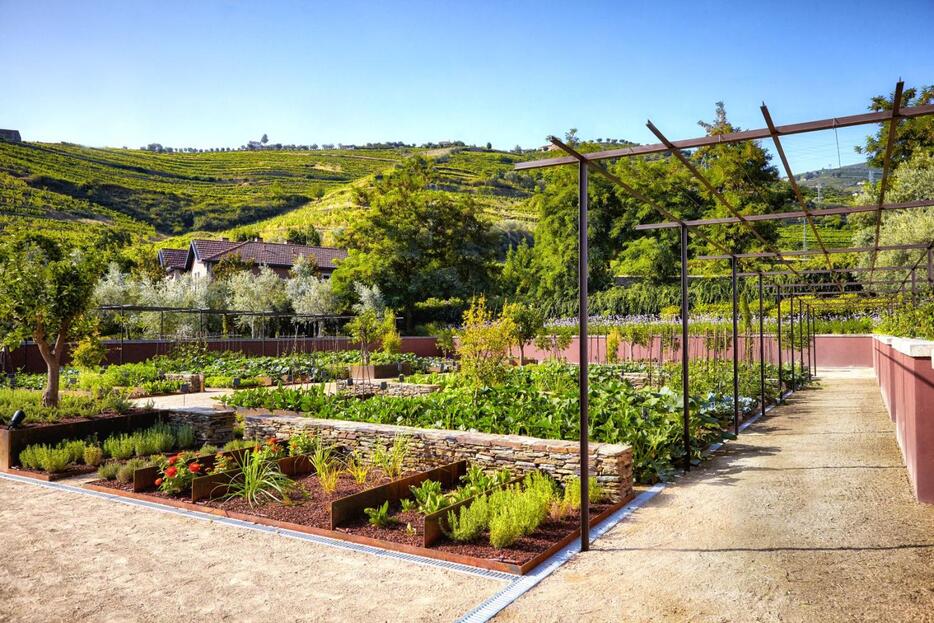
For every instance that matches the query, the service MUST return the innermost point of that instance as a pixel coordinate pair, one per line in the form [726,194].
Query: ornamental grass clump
[391,461]
[357,468]
[259,481]
[125,472]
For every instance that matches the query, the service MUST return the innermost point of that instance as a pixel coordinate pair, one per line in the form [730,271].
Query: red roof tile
[268,253]
[173,259]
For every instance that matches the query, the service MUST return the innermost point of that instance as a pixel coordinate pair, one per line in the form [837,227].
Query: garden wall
[27,357]
[832,350]
[610,463]
[905,372]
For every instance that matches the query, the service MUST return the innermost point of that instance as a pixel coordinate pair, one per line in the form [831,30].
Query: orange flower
[194,468]
[173,459]
[158,482]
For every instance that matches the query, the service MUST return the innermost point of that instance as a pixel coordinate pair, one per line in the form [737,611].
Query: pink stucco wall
[28,359]
[832,351]
[905,373]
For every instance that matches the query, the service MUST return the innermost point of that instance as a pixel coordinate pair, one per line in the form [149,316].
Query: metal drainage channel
[492,606]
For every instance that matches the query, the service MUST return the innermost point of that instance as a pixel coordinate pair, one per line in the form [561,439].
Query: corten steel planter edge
[482,563]
[12,442]
[47,476]
[351,506]
[145,477]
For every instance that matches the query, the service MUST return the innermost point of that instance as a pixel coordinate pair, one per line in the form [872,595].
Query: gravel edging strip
[492,606]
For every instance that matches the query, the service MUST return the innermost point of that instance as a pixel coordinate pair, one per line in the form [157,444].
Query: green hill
[846,179]
[170,197]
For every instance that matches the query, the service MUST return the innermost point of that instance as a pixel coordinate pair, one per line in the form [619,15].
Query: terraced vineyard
[155,195]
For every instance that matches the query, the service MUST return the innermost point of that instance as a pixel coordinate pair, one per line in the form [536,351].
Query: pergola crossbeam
[886,162]
[713,191]
[735,137]
[783,216]
[794,184]
[837,250]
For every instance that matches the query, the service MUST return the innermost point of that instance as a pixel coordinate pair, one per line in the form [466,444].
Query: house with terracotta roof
[203,255]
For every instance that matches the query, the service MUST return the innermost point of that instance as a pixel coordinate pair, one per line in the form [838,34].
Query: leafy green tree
[414,242]
[518,276]
[45,290]
[526,322]
[910,135]
[307,235]
[484,345]
[365,329]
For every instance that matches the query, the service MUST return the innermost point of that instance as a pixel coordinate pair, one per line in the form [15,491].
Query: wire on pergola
[773,132]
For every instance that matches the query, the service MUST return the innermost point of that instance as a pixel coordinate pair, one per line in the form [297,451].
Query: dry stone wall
[610,463]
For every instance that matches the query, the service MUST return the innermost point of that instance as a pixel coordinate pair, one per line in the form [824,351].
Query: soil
[523,550]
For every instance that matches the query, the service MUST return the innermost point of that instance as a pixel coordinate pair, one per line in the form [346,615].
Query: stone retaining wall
[213,426]
[610,463]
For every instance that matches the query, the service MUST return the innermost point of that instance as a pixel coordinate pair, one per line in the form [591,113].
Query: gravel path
[808,517]
[71,557]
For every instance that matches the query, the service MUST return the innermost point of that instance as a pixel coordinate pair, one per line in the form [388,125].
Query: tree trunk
[53,363]
[521,353]
[50,395]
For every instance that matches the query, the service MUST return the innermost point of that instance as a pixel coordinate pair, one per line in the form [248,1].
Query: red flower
[271,441]
[158,482]
[171,472]
[194,468]
[173,459]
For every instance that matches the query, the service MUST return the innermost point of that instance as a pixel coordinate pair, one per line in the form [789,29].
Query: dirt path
[808,517]
[70,557]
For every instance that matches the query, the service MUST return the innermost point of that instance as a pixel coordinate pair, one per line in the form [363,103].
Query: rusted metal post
[801,337]
[791,330]
[582,343]
[761,350]
[685,375]
[781,385]
[735,348]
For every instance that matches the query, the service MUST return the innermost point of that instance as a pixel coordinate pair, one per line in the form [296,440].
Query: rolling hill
[170,197]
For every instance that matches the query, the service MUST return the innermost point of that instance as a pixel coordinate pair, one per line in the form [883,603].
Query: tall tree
[414,242]
[45,290]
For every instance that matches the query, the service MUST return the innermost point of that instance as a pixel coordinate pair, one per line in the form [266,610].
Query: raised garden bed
[379,370]
[74,470]
[340,515]
[12,442]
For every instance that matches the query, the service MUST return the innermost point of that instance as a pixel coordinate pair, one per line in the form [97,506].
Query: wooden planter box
[12,442]
[379,371]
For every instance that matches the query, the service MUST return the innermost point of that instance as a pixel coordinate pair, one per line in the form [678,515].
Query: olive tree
[45,290]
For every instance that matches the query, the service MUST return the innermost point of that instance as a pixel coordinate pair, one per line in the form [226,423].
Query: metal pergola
[593,160]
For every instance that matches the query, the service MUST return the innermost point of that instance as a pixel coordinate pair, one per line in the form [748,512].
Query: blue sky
[221,73]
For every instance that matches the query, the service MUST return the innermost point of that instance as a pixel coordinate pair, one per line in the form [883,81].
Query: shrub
[119,446]
[51,459]
[302,443]
[29,457]
[470,521]
[184,436]
[69,406]
[572,492]
[125,471]
[108,471]
[93,455]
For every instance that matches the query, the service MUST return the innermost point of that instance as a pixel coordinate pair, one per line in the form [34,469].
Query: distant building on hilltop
[203,255]
[10,135]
